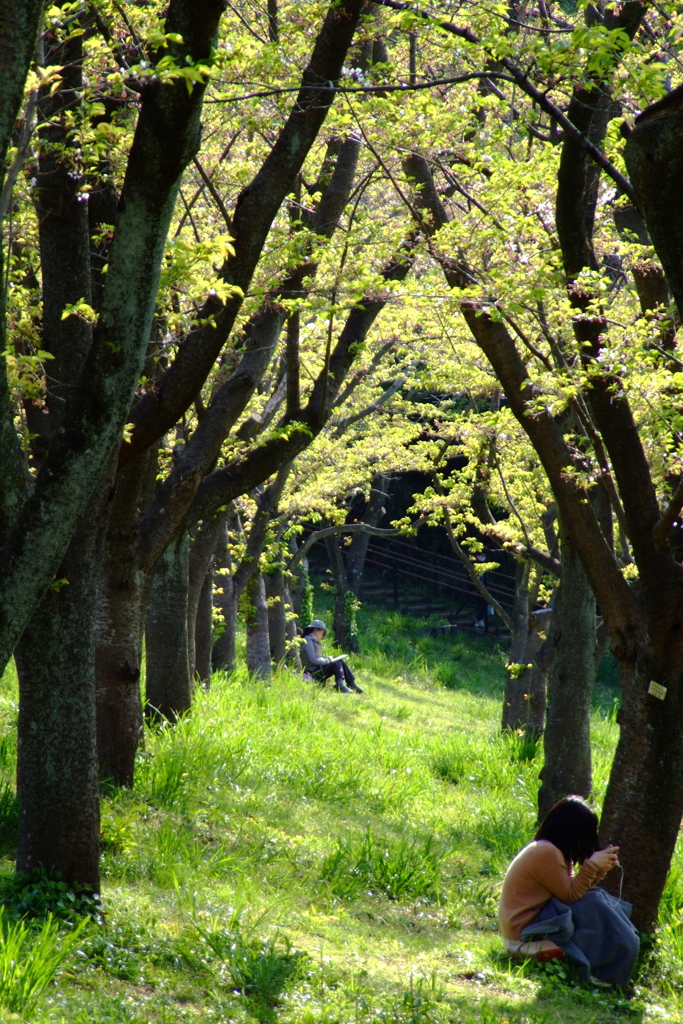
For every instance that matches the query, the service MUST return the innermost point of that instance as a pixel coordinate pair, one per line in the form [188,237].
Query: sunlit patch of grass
[363,840]
[403,869]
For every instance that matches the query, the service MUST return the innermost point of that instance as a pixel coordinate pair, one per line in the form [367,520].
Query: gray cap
[317,624]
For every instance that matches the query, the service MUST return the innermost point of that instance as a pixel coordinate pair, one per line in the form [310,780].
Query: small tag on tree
[657,690]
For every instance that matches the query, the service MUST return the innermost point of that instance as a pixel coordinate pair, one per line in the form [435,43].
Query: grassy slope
[369,833]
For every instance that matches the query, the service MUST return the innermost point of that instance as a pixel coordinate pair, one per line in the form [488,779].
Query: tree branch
[369,409]
[331,531]
[540,98]
[255,209]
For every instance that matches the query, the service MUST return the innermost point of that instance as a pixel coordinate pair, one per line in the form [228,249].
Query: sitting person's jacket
[538,872]
[312,654]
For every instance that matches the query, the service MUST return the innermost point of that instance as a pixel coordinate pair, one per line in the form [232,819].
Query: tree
[84,432]
[642,809]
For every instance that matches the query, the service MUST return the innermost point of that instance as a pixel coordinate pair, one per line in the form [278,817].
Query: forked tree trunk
[203,631]
[258,643]
[57,768]
[169,686]
[566,741]
[277,615]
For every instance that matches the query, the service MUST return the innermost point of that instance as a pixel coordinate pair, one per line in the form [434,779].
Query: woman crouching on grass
[549,912]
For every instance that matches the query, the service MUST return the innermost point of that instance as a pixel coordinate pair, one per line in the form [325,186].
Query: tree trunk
[358,549]
[169,684]
[224,655]
[642,809]
[277,615]
[654,157]
[543,660]
[566,741]
[202,550]
[258,643]
[292,651]
[514,703]
[341,588]
[118,628]
[203,631]
[57,769]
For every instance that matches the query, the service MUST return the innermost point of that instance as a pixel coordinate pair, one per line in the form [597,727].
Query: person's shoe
[355,686]
[342,687]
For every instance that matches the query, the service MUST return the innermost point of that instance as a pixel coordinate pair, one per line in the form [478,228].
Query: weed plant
[290,854]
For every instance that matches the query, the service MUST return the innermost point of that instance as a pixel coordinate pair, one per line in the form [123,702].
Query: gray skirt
[595,934]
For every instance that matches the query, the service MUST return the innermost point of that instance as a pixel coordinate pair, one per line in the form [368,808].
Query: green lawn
[292,854]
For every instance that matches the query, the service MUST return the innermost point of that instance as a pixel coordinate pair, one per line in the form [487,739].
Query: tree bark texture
[341,588]
[64,236]
[277,615]
[537,685]
[567,764]
[654,158]
[121,609]
[169,684]
[514,696]
[642,808]
[203,631]
[18,30]
[200,585]
[57,768]
[258,642]
[224,654]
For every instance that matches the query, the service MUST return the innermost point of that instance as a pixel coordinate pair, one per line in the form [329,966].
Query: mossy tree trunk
[57,765]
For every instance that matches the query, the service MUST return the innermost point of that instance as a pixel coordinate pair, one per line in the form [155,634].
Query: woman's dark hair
[572,826]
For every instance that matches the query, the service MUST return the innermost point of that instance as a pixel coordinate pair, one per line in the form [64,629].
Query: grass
[290,854]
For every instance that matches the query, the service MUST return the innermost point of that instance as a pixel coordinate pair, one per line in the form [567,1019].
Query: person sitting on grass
[548,912]
[320,667]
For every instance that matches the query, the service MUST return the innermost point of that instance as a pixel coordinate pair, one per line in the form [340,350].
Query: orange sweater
[538,872]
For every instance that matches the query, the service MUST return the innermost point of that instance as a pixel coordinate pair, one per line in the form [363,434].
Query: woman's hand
[606,859]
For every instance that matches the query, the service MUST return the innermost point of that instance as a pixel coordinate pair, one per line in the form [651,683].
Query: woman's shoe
[342,687]
[354,686]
